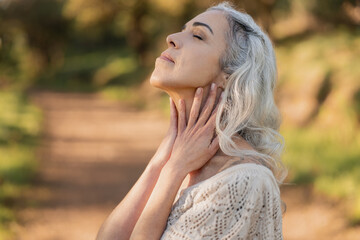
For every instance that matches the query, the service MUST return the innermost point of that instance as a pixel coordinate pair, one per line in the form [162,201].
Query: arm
[193,147]
[153,219]
[122,220]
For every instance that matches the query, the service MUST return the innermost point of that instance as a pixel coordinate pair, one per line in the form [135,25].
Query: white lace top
[240,202]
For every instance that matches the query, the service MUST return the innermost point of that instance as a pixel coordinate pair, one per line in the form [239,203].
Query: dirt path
[94,150]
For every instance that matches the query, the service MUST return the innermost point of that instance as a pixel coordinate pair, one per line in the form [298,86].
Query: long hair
[248,108]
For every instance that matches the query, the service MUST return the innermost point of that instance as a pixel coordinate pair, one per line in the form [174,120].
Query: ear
[222,80]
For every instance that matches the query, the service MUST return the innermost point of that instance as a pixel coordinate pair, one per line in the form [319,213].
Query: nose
[173,41]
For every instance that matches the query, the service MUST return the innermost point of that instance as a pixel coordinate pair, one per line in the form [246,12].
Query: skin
[196,52]
[189,153]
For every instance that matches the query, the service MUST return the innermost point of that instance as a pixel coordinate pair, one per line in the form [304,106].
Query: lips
[167,57]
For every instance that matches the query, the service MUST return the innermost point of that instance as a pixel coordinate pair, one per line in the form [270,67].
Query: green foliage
[336,51]
[323,158]
[19,130]
[85,70]
[73,46]
[333,11]
[19,120]
[325,152]
[33,33]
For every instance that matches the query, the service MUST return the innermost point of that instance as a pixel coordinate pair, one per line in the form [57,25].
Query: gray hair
[248,108]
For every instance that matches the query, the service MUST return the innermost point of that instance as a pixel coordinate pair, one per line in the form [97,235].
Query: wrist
[173,176]
[154,166]
[175,170]
[159,159]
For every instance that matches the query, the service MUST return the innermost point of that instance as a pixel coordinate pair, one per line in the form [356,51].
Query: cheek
[193,71]
[200,71]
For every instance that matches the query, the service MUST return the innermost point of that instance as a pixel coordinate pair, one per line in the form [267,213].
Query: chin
[159,80]
[168,81]
[155,81]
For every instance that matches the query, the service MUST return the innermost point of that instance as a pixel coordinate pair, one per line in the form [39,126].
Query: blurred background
[79,120]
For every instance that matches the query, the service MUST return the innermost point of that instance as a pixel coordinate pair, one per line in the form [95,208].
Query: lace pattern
[241,202]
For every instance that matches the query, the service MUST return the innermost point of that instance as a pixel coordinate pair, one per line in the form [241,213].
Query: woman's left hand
[194,144]
[163,152]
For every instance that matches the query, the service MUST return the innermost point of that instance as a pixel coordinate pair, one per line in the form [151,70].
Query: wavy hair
[248,108]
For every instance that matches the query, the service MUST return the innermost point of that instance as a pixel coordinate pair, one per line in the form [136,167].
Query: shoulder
[248,165]
[250,177]
[248,170]
[246,190]
[239,180]
[241,202]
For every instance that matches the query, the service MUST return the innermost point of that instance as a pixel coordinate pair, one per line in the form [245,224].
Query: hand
[163,152]
[194,144]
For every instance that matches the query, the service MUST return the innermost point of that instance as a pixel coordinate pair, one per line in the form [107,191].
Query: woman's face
[192,57]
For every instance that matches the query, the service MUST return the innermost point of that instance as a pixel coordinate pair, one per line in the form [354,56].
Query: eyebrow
[200,24]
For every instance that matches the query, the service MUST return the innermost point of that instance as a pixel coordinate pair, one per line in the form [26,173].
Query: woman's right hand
[163,152]
[195,143]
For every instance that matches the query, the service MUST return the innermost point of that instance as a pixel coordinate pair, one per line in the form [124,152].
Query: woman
[201,185]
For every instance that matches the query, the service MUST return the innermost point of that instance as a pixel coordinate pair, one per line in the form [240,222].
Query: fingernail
[212,86]
[222,95]
[198,91]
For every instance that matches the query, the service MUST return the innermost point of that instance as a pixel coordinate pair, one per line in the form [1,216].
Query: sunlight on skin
[192,59]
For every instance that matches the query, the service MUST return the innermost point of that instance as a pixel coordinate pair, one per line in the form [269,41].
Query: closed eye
[198,37]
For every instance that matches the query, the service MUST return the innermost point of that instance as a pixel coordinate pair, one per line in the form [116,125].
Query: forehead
[215,19]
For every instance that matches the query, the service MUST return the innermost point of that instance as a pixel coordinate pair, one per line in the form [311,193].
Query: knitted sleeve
[241,202]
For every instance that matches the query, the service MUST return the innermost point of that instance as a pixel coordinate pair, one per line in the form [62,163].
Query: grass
[19,129]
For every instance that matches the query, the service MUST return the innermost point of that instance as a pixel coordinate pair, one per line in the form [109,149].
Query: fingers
[195,108]
[212,118]
[204,116]
[214,145]
[211,126]
[194,117]
[181,117]
[173,115]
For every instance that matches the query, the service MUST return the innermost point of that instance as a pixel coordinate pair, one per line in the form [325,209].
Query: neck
[187,94]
